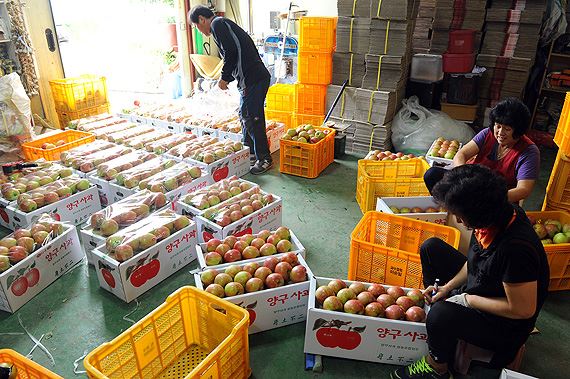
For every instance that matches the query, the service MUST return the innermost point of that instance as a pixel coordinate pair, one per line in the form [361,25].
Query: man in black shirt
[242,63]
[492,298]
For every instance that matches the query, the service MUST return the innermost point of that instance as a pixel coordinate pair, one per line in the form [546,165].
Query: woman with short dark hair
[492,297]
[504,148]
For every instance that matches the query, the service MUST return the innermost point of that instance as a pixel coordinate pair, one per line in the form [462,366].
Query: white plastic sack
[15,109]
[414,128]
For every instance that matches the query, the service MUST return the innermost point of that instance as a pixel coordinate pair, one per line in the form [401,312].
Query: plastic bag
[415,128]
[217,193]
[109,170]
[131,178]
[174,177]
[15,110]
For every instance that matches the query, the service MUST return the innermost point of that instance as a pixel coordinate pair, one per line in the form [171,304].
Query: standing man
[242,63]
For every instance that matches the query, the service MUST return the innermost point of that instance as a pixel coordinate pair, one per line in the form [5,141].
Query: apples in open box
[90,162]
[132,177]
[109,170]
[217,193]
[51,193]
[144,234]
[186,149]
[22,184]
[172,178]
[305,133]
[163,145]
[140,142]
[124,135]
[102,133]
[69,156]
[217,151]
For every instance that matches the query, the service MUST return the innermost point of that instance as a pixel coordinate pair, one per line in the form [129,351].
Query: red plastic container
[458,63]
[461,41]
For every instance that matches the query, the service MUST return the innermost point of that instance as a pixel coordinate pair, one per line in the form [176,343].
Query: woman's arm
[520,302]
[521,191]
[468,151]
[458,280]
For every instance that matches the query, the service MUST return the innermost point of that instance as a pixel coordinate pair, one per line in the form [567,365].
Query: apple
[357,287]
[417,296]
[336,285]
[376,289]
[240,246]
[560,238]
[268,249]
[4,263]
[551,230]
[366,297]
[405,210]
[233,289]
[258,242]
[290,258]
[262,273]
[417,210]
[415,314]
[250,267]
[394,312]
[222,248]
[283,233]
[298,274]
[247,238]
[354,306]
[242,277]
[386,300]
[284,269]
[230,241]
[405,302]
[16,254]
[123,253]
[19,233]
[213,258]
[27,243]
[254,285]
[284,246]
[554,222]
[273,239]
[374,309]
[540,231]
[250,252]
[333,303]
[345,294]
[232,255]
[208,276]
[109,227]
[270,263]
[395,291]
[222,279]
[212,244]
[8,242]
[216,290]
[232,270]
[264,234]
[274,280]
[322,293]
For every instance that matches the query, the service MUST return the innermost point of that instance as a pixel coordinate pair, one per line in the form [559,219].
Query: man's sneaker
[260,167]
[419,370]
[252,159]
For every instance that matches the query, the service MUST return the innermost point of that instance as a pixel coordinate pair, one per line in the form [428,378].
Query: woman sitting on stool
[492,298]
[504,148]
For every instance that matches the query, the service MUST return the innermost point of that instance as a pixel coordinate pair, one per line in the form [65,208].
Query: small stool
[465,353]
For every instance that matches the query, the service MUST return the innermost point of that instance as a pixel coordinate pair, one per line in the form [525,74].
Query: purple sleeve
[528,164]
[479,139]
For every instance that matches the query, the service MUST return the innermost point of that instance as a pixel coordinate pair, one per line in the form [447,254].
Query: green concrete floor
[76,315]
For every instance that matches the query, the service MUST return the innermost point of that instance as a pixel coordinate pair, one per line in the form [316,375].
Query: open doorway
[130,42]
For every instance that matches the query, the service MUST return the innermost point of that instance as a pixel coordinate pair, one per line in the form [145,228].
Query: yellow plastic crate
[192,335]
[284,117]
[558,189]
[26,368]
[389,179]
[33,150]
[311,119]
[562,136]
[314,67]
[306,159]
[82,92]
[281,97]
[310,99]
[66,117]
[318,34]
[384,248]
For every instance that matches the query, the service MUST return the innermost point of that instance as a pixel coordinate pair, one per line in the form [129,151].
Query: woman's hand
[441,293]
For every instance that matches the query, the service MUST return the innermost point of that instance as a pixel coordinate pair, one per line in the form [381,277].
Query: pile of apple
[125,135]
[90,162]
[48,145]
[51,193]
[248,246]
[216,193]
[305,133]
[76,124]
[172,178]
[252,277]
[397,210]
[126,212]
[72,155]
[23,242]
[132,177]
[216,151]
[86,126]
[22,184]
[109,170]
[443,148]
[102,133]
[551,231]
[374,300]
[141,141]
[187,149]
[40,164]
[238,207]
[162,145]
[377,155]
[144,234]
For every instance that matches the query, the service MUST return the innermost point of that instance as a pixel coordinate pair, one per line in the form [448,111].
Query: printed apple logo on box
[330,334]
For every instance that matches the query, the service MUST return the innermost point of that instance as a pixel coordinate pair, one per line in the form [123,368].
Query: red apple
[376,289]
[222,279]
[417,296]
[250,252]
[216,290]
[336,285]
[322,293]
[333,303]
[374,309]
[240,245]
[262,273]
[270,263]
[298,274]
[415,314]
[257,243]
[251,267]
[386,300]
[208,276]
[354,306]
[254,285]
[274,280]
[213,259]
[395,291]
[222,248]
[346,294]
[357,287]
[284,269]
[232,255]
[405,302]
[366,297]
[394,312]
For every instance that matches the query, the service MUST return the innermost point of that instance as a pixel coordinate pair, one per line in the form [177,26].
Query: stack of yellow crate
[79,97]
[304,102]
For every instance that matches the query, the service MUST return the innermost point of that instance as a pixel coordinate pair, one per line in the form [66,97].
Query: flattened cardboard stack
[422,31]
[453,15]
[508,48]
[374,40]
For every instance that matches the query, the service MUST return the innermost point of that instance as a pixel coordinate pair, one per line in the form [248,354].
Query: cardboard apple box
[274,307]
[509,374]
[118,192]
[103,187]
[234,164]
[440,162]
[130,279]
[6,215]
[75,209]
[191,211]
[383,205]
[273,137]
[268,217]
[359,337]
[296,247]
[43,267]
